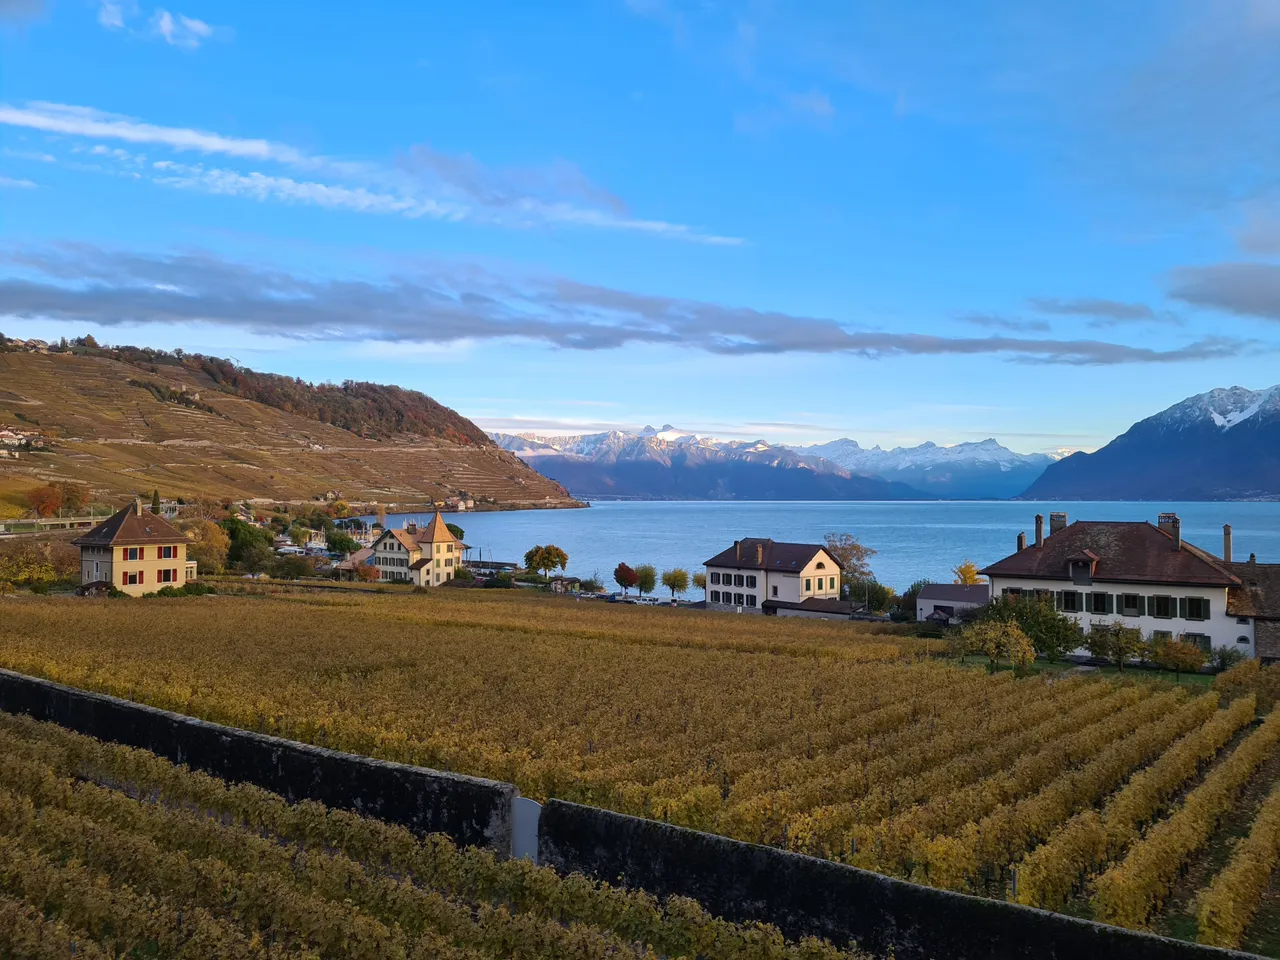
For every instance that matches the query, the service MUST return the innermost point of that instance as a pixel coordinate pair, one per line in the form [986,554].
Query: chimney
[760,554]
[737,550]
[1057,521]
[1039,530]
[1170,524]
[137,506]
[1253,558]
[1226,542]
[1022,542]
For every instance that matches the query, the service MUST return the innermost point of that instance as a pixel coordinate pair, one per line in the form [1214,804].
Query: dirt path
[1178,919]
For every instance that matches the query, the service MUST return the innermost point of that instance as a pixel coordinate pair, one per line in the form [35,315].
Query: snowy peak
[848,454]
[1223,408]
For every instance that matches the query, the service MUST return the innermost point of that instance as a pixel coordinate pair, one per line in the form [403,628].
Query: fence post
[525,814]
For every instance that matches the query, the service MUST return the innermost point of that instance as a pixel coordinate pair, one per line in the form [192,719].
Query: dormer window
[1081,573]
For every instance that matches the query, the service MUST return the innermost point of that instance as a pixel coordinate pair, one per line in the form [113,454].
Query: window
[1243,620]
[448,548]
[1197,608]
[1011,592]
[715,596]
[1072,601]
[738,600]
[715,577]
[133,553]
[1242,639]
[1161,636]
[169,576]
[775,591]
[1160,607]
[1131,605]
[751,599]
[821,566]
[751,581]
[833,583]
[739,580]
[1100,603]
[808,586]
[131,579]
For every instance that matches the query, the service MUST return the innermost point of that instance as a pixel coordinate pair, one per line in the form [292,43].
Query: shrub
[1224,658]
[40,587]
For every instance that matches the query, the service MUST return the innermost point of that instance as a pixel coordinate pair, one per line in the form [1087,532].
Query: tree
[874,594]
[1114,642]
[155,501]
[300,535]
[1179,656]
[906,605]
[700,580]
[46,500]
[966,573]
[1000,640]
[456,530]
[624,577]
[1053,634]
[677,581]
[593,584]
[293,568]
[208,547]
[366,573]
[646,578]
[342,542]
[545,559]
[851,554]
[75,496]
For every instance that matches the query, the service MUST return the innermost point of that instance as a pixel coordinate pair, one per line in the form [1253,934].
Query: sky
[748,218]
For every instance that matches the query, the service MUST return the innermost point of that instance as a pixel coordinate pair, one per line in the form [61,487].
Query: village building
[943,603]
[135,551]
[425,556]
[765,576]
[346,569]
[1146,576]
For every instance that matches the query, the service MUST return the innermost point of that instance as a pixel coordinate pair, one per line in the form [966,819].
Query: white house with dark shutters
[765,576]
[1142,574]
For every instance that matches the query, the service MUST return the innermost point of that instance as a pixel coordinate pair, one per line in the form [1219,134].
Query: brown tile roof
[1125,551]
[757,554]
[437,531]
[1259,592]
[356,559]
[844,608]
[135,524]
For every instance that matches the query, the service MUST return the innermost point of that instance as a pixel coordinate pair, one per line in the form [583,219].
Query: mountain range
[1220,445]
[668,463]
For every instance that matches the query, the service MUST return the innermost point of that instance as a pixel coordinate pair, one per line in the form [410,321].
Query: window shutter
[1142,606]
[1110,601]
[1182,607]
[1205,607]
[1057,600]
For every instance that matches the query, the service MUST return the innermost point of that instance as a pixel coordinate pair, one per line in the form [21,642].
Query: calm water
[912,539]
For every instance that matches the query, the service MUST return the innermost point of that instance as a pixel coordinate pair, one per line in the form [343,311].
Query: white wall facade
[392,559]
[1222,629]
[820,577]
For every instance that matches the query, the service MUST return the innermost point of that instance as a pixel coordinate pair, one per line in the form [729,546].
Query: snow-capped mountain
[675,464]
[965,471]
[1220,445]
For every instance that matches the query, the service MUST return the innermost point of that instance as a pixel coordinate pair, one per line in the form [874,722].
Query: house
[753,571]
[944,602]
[1146,576]
[425,556]
[813,608]
[346,569]
[135,551]
[565,585]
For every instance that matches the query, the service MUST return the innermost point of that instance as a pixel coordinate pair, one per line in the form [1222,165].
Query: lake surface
[913,540]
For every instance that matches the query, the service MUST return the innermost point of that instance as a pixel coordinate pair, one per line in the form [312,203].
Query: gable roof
[1258,594]
[437,531]
[956,592]
[132,525]
[1119,551]
[757,554]
[357,559]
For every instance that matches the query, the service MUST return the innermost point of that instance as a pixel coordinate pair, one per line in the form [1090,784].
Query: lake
[912,539]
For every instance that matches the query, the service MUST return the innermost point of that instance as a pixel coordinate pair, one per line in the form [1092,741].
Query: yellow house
[135,551]
[425,556]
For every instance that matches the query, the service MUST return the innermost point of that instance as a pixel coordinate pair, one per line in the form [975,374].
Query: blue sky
[797,221]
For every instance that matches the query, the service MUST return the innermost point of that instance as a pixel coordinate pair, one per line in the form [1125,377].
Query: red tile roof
[1259,592]
[1125,552]
[134,524]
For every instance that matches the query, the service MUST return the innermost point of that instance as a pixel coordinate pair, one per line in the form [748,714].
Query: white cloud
[14,183]
[457,188]
[180,31]
[111,16]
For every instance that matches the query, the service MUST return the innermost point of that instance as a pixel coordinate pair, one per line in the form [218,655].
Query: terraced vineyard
[111,852]
[119,437]
[1101,797]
